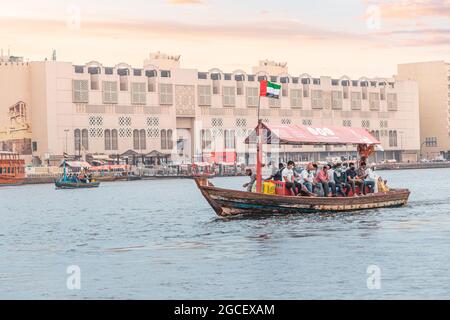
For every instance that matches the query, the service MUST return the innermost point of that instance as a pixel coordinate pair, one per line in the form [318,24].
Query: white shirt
[288,174]
[371,176]
[331,175]
[307,176]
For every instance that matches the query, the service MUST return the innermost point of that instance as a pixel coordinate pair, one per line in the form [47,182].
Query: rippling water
[160,239]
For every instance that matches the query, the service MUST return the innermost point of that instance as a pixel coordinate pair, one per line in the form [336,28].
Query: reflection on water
[160,239]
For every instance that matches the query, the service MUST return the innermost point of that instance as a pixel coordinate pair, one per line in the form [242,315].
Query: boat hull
[231,202]
[76,185]
[11,181]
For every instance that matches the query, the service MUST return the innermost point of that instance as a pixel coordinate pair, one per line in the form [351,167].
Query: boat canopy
[311,135]
[76,164]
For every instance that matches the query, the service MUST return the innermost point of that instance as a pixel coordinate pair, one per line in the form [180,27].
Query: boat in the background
[74,182]
[12,169]
[226,202]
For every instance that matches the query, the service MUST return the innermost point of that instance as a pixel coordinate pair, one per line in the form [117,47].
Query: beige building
[434,103]
[195,115]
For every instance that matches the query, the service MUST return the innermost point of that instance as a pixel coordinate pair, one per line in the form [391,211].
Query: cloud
[412,9]
[185,1]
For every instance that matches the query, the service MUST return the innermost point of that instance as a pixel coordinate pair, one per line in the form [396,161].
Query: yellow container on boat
[268,187]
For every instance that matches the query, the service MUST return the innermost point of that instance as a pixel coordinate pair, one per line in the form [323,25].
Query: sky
[321,37]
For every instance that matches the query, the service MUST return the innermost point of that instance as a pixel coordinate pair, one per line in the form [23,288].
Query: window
[77,139]
[296,98]
[355,100]
[376,134]
[85,139]
[206,139]
[136,139]
[34,146]
[229,139]
[431,142]
[79,69]
[137,72]
[274,103]
[151,84]
[204,95]
[250,78]
[202,75]
[239,88]
[227,76]
[336,99]
[80,93]
[109,92]
[392,138]
[165,94]
[334,82]
[365,123]
[392,101]
[305,90]
[109,70]
[252,96]
[142,139]
[169,139]
[286,121]
[165,74]
[316,99]
[114,140]
[295,80]
[374,101]
[347,123]
[262,78]
[229,96]
[138,94]
[307,122]
[163,139]
[215,76]
[107,139]
[240,122]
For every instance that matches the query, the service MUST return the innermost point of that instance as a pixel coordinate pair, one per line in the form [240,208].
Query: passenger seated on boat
[331,183]
[324,181]
[353,180]
[277,176]
[249,185]
[289,177]
[382,185]
[307,177]
[340,178]
[368,181]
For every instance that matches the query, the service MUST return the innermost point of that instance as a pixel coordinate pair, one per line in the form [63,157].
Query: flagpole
[259,149]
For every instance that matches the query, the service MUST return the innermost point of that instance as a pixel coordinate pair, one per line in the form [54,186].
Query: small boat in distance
[12,169]
[226,202]
[74,182]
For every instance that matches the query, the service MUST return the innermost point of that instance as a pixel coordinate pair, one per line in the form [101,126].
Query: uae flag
[269,89]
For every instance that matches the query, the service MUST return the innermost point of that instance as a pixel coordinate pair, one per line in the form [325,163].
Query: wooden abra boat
[227,202]
[232,202]
[76,185]
[12,169]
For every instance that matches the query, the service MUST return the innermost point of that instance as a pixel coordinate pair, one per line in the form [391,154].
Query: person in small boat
[307,177]
[249,185]
[382,185]
[353,180]
[368,176]
[323,179]
[288,176]
[332,183]
[340,178]
[277,176]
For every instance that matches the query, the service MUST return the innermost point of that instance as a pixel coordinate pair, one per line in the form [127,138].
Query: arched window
[107,139]
[114,142]
[163,139]
[136,139]
[229,139]
[77,139]
[169,139]
[85,139]
[142,140]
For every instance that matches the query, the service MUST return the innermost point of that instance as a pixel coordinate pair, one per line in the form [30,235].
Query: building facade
[433,79]
[193,115]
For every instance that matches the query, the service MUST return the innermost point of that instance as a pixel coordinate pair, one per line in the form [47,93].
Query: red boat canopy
[303,135]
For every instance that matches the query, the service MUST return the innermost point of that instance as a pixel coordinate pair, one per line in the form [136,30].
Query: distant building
[434,92]
[194,115]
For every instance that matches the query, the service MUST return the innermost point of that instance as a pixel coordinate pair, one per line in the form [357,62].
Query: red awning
[302,135]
